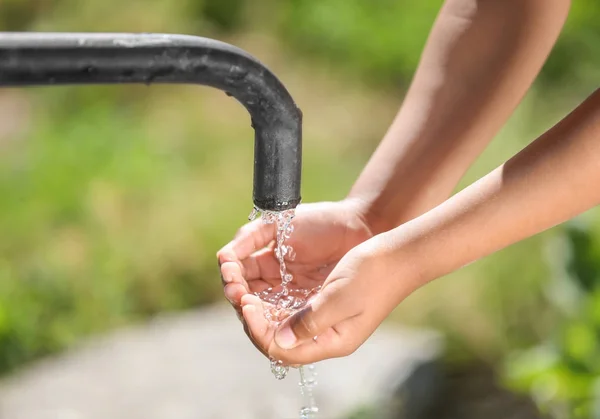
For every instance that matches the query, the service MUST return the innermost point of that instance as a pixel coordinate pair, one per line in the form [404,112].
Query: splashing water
[284,301]
[308,381]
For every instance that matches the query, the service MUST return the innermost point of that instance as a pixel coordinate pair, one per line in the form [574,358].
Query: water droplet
[253,214]
[278,369]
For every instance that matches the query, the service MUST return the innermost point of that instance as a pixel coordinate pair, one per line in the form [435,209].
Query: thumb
[329,308]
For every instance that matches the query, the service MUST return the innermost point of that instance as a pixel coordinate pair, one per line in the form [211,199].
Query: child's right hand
[323,233]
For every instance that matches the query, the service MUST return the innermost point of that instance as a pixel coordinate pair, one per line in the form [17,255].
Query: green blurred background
[114,200]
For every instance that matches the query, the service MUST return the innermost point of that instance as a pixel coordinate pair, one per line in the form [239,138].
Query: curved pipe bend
[30,59]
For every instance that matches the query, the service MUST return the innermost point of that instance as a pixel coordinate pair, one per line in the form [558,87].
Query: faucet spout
[34,59]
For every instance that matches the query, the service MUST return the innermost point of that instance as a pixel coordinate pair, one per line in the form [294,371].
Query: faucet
[34,59]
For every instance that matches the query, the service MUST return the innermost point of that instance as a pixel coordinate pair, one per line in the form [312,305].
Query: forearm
[479,60]
[554,179]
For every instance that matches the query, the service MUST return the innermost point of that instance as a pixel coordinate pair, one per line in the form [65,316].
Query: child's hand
[361,291]
[323,234]
[550,181]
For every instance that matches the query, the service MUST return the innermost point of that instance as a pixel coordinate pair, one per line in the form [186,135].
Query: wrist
[387,210]
[397,258]
[357,209]
[370,214]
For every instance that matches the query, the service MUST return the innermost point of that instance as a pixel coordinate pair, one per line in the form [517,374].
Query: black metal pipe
[30,59]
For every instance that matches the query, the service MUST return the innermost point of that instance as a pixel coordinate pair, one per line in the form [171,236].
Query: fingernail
[229,294]
[285,337]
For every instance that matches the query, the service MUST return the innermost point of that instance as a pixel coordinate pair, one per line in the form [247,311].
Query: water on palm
[283,301]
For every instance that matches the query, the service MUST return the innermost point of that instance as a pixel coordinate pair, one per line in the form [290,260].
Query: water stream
[283,301]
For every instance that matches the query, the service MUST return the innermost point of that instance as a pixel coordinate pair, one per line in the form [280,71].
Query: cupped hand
[361,291]
[323,233]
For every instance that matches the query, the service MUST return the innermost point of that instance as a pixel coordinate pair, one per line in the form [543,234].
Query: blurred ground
[472,392]
[200,365]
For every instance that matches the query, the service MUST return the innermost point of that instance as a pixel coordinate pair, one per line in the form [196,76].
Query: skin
[323,233]
[552,180]
[479,60]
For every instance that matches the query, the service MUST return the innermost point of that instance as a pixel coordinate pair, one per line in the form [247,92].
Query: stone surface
[200,365]
[472,391]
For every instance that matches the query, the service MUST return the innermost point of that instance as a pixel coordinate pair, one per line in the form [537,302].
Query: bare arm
[480,59]
[554,179]
[550,181]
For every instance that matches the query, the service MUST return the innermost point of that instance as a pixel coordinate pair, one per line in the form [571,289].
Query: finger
[253,238]
[231,272]
[336,303]
[226,254]
[256,320]
[261,264]
[249,312]
[239,313]
[250,238]
[253,311]
[314,350]
[234,293]
[337,341]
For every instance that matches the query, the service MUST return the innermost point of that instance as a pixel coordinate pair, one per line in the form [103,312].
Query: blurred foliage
[563,372]
[115,199]
[576,56]
[381,40]
[225,14]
